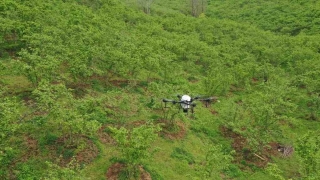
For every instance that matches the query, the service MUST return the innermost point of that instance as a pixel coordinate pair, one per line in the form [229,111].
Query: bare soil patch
[56,152]
[214,112]
[28,101]
[88,154]
[119,83]
[62,149]
[80,88]
[32,148]
[104,136]
[115,169]
[137,123]
[173,131]
[245,154]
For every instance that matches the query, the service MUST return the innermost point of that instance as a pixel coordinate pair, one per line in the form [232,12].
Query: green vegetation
[134,146]
[81,84]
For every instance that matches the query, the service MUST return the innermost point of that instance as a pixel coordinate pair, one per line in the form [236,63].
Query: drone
[186,102]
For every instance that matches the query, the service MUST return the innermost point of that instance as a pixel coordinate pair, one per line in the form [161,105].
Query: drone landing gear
[191,109]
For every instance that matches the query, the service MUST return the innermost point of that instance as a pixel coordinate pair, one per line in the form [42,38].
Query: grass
[98,168]
[261,175]
[290,166]
[169,168]
[16,84]
[177,168]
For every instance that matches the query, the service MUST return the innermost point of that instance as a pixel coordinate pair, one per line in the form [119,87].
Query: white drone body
[186,100]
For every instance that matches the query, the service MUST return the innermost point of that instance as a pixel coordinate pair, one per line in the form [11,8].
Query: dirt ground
[178,132]
[84,156]
[115,169]
[105,137]
[244,153]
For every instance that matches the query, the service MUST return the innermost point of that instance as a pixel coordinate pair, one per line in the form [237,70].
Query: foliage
[257,116]
[182,154]
[214,85]
[56,172]
[274,171]
[28,170]
[69,67]
[285,17]
[134,144]
[9,115]
[198,7]
[215,162]
[308,150]
[58,103]
[9,125]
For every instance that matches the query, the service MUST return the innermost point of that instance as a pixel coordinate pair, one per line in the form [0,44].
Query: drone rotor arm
[168,100]
[196,98]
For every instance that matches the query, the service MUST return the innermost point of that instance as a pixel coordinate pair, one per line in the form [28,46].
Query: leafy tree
[9,115]
[58,105]
[37,67]
[9,125]
[146,4]
[266,109]
[234,114]
[285,17]
[314,106]
[55,172]
[274,171]
[198,7]
[257,116]
[134,145]
[309,152]
[215,162]
[218,81]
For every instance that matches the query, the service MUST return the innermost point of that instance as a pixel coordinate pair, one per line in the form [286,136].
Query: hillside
[82,83]
[281,17]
